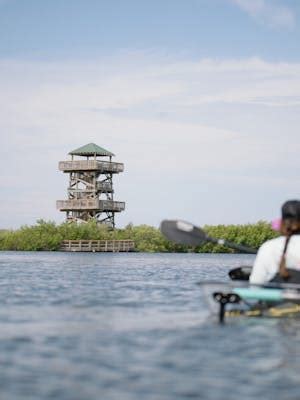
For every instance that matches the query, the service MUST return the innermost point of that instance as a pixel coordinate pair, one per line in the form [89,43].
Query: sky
[199,99]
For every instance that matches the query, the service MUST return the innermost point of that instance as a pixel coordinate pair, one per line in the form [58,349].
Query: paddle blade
[182,232]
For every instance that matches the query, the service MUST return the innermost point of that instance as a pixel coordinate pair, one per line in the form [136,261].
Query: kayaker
[278,260]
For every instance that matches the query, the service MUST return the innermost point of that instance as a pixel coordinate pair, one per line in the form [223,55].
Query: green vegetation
[48,236]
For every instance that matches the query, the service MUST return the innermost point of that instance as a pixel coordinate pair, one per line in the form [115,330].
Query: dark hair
[290,212]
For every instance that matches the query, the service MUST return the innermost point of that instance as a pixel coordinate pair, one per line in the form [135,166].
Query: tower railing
[104,186]
[90,165]
[100,187]
[90,204]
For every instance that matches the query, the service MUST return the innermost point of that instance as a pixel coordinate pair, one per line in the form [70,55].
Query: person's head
[290,217]
[290,225]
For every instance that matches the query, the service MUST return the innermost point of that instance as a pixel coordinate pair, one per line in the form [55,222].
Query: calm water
[134,327]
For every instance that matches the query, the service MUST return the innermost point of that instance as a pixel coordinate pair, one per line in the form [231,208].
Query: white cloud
[269,12]
[185,130]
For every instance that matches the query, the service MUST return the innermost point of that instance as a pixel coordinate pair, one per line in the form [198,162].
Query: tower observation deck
[90,191]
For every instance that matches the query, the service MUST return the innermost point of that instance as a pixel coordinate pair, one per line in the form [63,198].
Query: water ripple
[132,327]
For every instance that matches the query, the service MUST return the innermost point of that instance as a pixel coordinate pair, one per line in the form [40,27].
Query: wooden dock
[113,246]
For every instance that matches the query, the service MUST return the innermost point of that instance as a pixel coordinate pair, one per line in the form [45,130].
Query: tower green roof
[91,149]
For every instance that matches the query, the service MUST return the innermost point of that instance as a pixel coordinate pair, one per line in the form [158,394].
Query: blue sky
[197,28]
[199,98]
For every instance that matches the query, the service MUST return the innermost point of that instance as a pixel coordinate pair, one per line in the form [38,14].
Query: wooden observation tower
[90,191]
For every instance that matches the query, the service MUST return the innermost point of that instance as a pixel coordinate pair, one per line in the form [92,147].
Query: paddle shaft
[235,246]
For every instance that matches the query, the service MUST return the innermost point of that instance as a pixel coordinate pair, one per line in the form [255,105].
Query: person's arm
[260,271]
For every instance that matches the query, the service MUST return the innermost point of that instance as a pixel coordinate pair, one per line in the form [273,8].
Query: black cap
[291,210]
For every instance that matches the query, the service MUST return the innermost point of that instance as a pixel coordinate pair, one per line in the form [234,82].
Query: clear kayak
[238,298]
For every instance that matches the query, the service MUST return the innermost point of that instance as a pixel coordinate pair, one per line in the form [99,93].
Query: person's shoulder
[272,243]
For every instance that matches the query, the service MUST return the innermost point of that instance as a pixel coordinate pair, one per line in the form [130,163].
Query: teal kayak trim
[259,294]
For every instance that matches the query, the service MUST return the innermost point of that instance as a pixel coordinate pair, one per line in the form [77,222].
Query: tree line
[47,236]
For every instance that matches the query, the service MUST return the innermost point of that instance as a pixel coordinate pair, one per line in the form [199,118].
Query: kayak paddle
[183,232]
